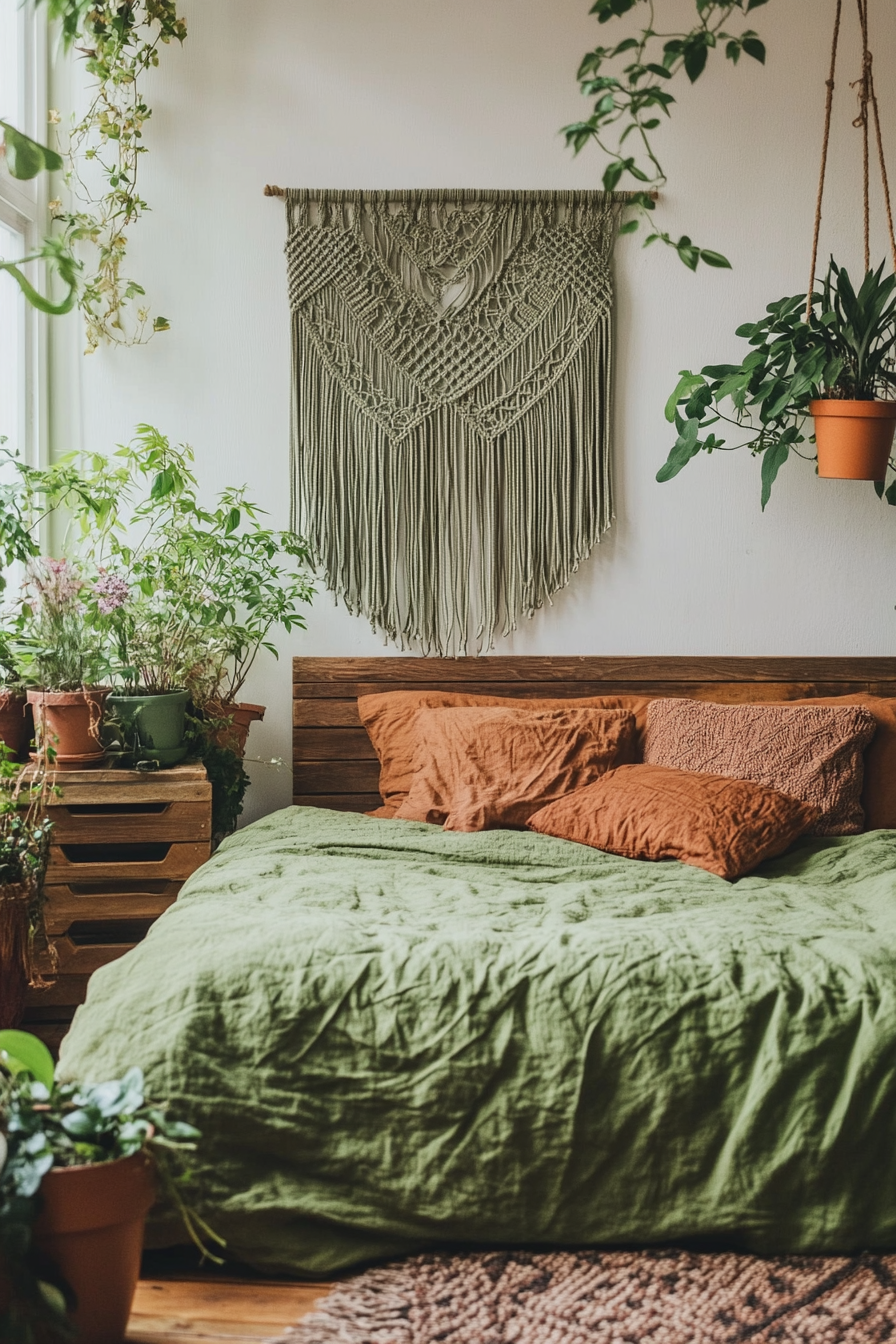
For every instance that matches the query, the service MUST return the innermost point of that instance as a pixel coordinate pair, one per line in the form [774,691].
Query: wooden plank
[83,960]
[63,909]
[335,776]
[180,861]
[333,744]
[127,791]
[222,1301]
[66,991]
[339,802]
[180,821]
[325,714]
[446,671]
[701,690]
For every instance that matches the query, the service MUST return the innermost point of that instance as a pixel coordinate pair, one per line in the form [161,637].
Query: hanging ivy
[119,42]
[630,81]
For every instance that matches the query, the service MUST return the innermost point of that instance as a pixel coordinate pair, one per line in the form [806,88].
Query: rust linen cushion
[724,825]
[481,767]
[390,720]
[810,752]
[879,786]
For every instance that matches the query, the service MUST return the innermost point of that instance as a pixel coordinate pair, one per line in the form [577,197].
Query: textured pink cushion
[810,752]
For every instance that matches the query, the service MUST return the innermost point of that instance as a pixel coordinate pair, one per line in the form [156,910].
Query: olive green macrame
[451,421]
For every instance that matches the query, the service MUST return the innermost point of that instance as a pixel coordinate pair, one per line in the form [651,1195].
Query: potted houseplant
[62,659]
[832,359]
[206,587]
[24,849]
[79,1168]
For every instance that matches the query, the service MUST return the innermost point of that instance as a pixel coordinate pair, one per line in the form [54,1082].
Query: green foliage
[207,584]
[846,348]
[24,826]
[25,158]
[50,1124]
[226,772]
[630,81]
[119,43]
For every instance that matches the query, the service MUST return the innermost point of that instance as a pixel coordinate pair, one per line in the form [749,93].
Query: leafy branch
[632,99]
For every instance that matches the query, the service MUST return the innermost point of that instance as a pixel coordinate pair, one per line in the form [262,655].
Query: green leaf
[21,1052]
[686,385]
[773,460]
[695,60]
[629,226]
[753,47]
[25,158]
[714,259]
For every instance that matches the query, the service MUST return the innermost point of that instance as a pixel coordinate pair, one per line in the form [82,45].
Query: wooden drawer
[120,822]
[63,996]
[82,959]
[147,859]
[72,902]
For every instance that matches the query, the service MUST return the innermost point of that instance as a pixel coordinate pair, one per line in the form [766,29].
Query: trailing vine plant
[120,42]
[630,81]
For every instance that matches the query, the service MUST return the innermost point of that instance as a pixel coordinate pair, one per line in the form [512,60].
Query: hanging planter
[853,438]
[827,357]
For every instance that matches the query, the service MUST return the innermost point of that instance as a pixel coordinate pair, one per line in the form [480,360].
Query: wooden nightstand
[123,844]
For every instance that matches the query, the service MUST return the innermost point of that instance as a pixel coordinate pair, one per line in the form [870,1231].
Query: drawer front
[79,862]
[66,991]
[73,902]
[121,822]
[82,959]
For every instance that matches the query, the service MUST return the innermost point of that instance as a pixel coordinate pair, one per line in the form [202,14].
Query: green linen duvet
[393,1036]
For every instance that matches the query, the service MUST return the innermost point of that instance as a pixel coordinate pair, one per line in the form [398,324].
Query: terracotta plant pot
[235,734]
[16,723]
[853,438]
[91,1227]
[71,721]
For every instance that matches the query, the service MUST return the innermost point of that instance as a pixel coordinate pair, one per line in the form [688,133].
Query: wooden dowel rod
[468,191]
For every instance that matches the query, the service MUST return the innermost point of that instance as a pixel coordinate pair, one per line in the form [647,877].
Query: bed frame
[334,764]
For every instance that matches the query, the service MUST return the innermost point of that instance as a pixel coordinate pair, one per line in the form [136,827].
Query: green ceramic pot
[154,722]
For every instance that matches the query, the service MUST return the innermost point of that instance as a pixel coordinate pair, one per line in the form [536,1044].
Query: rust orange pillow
[726,826]
[812,752]
[390,720]
[477,768]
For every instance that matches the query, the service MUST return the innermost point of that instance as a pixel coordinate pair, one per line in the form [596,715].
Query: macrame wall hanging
[451,394]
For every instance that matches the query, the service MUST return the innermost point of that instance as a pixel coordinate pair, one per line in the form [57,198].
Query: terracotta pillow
[390,720]
[478,768]
[811,752]
[724,825]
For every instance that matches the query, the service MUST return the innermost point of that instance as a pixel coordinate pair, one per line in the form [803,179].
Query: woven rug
[620,1297]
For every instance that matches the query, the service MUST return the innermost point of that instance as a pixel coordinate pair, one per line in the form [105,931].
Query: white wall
[347,93]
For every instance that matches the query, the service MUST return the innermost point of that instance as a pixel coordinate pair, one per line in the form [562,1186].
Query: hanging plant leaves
[25,158]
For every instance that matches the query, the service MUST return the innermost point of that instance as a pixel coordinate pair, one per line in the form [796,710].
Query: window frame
[24,209]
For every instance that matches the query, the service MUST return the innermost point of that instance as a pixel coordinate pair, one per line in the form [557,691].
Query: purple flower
[111,592]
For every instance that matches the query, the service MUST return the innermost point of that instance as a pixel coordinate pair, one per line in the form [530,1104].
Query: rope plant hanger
[829,354]
[451,400]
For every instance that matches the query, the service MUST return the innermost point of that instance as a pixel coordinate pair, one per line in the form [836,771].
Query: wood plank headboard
[334,764]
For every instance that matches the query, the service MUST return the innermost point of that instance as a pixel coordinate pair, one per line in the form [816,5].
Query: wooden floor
[216,1309]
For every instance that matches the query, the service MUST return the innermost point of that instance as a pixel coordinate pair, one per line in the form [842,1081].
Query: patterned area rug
[619,1297]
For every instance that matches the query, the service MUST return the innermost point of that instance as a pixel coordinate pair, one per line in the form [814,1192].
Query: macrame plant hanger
[867,100]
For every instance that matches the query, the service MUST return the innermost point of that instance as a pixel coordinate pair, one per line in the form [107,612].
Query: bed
[395,1037]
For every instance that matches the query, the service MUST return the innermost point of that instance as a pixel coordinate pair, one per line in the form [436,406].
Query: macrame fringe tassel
[445,539]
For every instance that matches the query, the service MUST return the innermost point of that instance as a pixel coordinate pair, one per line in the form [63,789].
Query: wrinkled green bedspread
[391,1036]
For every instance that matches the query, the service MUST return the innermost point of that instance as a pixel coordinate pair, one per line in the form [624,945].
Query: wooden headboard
[334,764]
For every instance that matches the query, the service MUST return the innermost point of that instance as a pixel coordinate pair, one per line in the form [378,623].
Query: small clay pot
[71,721]
[234,735]
[91,1227]
[853,438]
[16,723]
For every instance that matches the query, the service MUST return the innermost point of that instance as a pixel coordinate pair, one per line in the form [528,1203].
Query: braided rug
[451,401]
[620,1297]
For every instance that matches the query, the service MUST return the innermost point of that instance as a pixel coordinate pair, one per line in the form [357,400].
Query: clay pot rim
[875,409]
[93,1166]
[36,694]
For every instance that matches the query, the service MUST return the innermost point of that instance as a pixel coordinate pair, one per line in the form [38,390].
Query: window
[22,210]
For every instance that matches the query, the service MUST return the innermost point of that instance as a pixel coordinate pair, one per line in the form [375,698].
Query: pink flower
[111,592]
